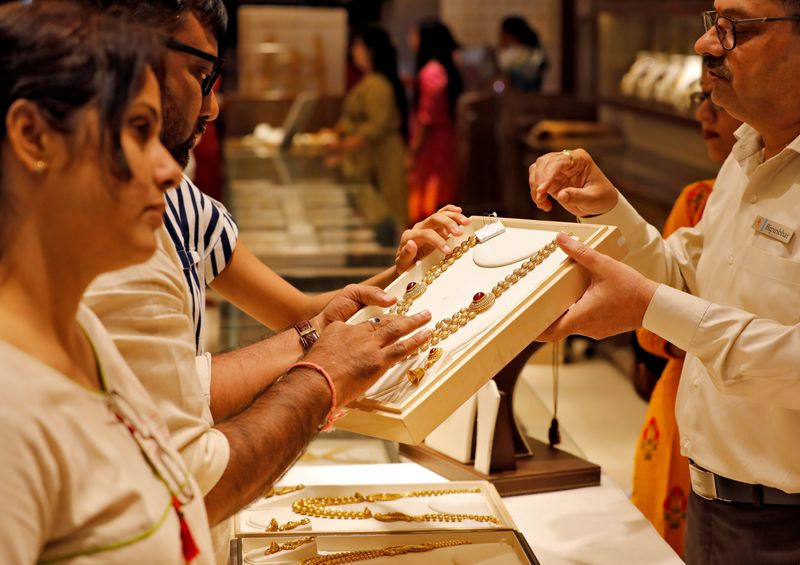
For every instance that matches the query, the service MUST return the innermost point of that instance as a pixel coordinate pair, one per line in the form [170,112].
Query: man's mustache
[200,128]
[717,66]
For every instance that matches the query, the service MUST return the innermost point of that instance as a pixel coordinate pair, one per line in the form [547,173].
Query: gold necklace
[274,547]
[415,289]
[391,551]
[280,491]
[481,301]
[274,526]
[317,507]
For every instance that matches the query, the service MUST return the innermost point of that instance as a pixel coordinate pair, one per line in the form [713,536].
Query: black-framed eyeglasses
[697,98]
[726,27]
[208,82]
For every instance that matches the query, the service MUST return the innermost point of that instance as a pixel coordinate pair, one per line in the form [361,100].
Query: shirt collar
[749,143]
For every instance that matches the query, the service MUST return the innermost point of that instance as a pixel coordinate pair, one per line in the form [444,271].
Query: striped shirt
[204,234]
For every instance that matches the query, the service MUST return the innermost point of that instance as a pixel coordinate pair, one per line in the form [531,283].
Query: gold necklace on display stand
[367,554]
[481,301]
[318,507]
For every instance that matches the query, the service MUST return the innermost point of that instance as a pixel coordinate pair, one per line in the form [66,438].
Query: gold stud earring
[40,167]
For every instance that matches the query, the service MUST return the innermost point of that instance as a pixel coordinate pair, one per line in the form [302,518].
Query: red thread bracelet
[333,414]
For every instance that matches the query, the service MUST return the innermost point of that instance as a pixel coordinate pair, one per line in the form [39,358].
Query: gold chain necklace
[391,551]
[481,301]
[274,547]
[317,507]
[415,289]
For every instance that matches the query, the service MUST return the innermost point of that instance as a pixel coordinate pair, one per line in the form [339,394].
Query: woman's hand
[429,235]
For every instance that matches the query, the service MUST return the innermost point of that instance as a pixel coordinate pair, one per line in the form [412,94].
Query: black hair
[63,57]
[436,43]
[211,14]
[519,29]
[384,62]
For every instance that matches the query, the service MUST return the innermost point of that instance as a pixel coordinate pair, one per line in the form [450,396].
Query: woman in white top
[86,475]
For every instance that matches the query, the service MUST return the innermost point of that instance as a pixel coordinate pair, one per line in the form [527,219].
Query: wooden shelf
[655,110]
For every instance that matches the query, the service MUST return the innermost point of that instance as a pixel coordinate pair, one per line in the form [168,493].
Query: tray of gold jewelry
[504,282]
[303,510]
[496,547]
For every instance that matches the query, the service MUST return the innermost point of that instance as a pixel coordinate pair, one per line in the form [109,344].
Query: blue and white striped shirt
[204,234]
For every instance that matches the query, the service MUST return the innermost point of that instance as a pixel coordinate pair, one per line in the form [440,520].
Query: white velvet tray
[396,410]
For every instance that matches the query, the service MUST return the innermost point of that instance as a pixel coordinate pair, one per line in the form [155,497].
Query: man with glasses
[730,295]
[154,310]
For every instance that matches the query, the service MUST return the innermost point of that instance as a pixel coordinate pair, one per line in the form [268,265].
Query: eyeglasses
[726,27]
[697,98]
[208,82]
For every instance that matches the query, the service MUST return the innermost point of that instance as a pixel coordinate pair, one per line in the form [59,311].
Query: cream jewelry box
[501,547]
[490,299]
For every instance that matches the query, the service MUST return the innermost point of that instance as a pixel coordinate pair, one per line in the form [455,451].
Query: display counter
[596,525]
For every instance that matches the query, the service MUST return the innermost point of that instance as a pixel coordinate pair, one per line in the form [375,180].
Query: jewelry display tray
[510,539]
[514,321]
[252,520]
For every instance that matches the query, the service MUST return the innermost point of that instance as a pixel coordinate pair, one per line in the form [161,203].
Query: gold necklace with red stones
[481,301]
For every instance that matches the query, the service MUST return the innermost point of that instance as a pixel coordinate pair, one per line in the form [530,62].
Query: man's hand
[615,301]
[573,179]
[357,355]
[429,235]
[348,301]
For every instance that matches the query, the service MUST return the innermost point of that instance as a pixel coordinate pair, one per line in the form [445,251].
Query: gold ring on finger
[569,154]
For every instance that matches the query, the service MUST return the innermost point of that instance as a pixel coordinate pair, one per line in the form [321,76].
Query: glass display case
[300,217]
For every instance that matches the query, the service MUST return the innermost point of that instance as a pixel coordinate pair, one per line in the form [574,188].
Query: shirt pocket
[770,285]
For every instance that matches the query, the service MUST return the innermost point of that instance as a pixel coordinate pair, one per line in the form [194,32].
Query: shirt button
[686,444]
[754,198]
[730,260]
[695,382]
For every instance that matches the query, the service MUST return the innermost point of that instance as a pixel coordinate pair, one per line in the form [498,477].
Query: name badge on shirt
[772,229]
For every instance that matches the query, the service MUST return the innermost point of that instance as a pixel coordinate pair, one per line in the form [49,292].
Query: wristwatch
[308,335]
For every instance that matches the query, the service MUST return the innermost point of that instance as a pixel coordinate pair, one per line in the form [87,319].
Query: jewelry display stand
[499,547]
[493,297]
[519,464]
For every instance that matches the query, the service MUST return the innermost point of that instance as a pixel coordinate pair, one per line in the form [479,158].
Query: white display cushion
[395,409]
[486,502]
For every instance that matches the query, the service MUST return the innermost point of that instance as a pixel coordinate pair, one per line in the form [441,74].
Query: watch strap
[308,335]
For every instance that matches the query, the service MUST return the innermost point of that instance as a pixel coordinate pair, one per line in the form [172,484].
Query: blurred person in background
[661,484]
[432,147]
[374,123]
[521,58]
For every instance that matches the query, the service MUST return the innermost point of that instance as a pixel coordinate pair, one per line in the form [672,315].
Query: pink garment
[432,180]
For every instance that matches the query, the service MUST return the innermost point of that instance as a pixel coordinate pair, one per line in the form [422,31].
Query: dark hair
[436,43]
[384,62]
[63,57]
[211,14]
[519,29]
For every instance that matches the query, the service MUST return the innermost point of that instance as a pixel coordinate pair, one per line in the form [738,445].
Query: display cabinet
[663,148]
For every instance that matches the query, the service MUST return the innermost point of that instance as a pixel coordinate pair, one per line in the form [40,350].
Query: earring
[40,167]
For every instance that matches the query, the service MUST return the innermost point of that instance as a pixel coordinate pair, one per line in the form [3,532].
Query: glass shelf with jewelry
[305,510]
[505,281]
[499,547]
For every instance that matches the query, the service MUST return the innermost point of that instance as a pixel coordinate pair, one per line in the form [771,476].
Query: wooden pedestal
[547,469]
[519,464]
